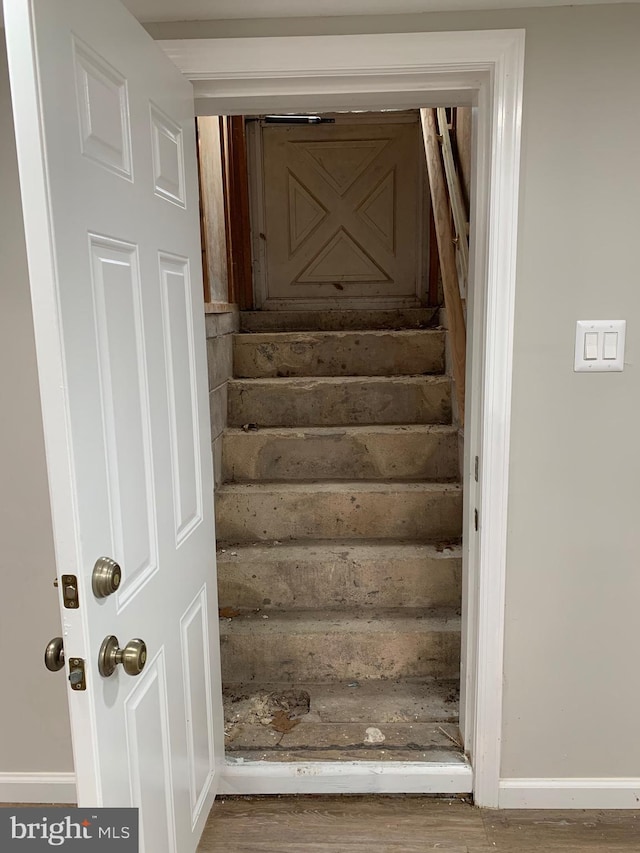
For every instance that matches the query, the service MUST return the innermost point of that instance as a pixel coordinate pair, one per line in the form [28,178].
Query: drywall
[573,586]
[34,718]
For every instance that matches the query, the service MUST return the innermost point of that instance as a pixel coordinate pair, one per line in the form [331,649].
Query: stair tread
[330,319]
[310,735]
[339,486]
[347,429]
[261,551]
[401,620]
[335,334]
[313,381]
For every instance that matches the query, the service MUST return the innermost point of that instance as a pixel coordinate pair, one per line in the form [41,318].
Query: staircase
[338,522]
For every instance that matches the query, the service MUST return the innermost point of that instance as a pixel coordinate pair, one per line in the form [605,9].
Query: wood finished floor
[408,824]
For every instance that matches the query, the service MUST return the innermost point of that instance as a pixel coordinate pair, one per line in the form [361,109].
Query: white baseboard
[37,788]
[609,793]
[345,777]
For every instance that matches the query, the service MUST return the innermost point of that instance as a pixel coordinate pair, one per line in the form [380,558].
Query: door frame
[256,178]
[485,70]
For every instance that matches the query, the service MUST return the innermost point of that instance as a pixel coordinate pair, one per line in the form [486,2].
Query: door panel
[106,149]
[342,213]
[178,342]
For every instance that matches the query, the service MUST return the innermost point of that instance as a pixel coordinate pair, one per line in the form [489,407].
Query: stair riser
[342,354]
[339,455]
[294,321]
[339,657]
[318,402]
[338,582]
[259,514]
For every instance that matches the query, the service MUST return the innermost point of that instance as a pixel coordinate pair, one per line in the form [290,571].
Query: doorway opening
[482,69]
[338,432]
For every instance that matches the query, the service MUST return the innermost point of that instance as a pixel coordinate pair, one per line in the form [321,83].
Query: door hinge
[476,468]
[476,518]
[77,674]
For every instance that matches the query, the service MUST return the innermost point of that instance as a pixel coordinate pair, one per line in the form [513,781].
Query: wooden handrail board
[446,252]
[455,198]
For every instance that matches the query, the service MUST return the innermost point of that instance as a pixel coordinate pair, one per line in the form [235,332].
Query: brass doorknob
[54,655]
[133,656]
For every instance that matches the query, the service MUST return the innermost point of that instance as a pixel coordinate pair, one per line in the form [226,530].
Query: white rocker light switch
[590,346]
[599,346]
[610,345]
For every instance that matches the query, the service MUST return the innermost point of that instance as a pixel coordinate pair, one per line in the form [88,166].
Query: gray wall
[34,718]
[571,688]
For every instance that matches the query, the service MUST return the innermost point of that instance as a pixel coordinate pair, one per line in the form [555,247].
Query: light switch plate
[591,355]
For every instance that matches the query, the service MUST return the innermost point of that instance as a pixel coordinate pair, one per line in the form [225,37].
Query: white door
[342,212]
[105,134]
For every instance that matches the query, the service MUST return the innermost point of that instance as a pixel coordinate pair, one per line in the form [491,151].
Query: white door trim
[346,777]
[408,70]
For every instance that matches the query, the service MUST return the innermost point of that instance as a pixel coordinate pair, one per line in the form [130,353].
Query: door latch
[54,661]
[76,674]
[69,591]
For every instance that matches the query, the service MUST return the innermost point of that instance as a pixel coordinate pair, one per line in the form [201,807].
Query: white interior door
[105,134]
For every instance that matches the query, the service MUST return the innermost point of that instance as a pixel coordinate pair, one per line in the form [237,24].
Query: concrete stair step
[413,451]
[423,700]
[358,353]
[417,717]
[354,510]
[339,575]
[301,646]
[337,401]
[301,321]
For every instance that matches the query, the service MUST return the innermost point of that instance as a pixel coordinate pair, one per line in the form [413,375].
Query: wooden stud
[433,298]
[446,252]
[237,217]
[456,199]
[212,226]
[462,150]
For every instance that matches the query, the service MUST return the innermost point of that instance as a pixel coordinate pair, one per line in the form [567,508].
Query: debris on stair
[228,612]
[280,710]
[374,735]
[281,722]
[296,703]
